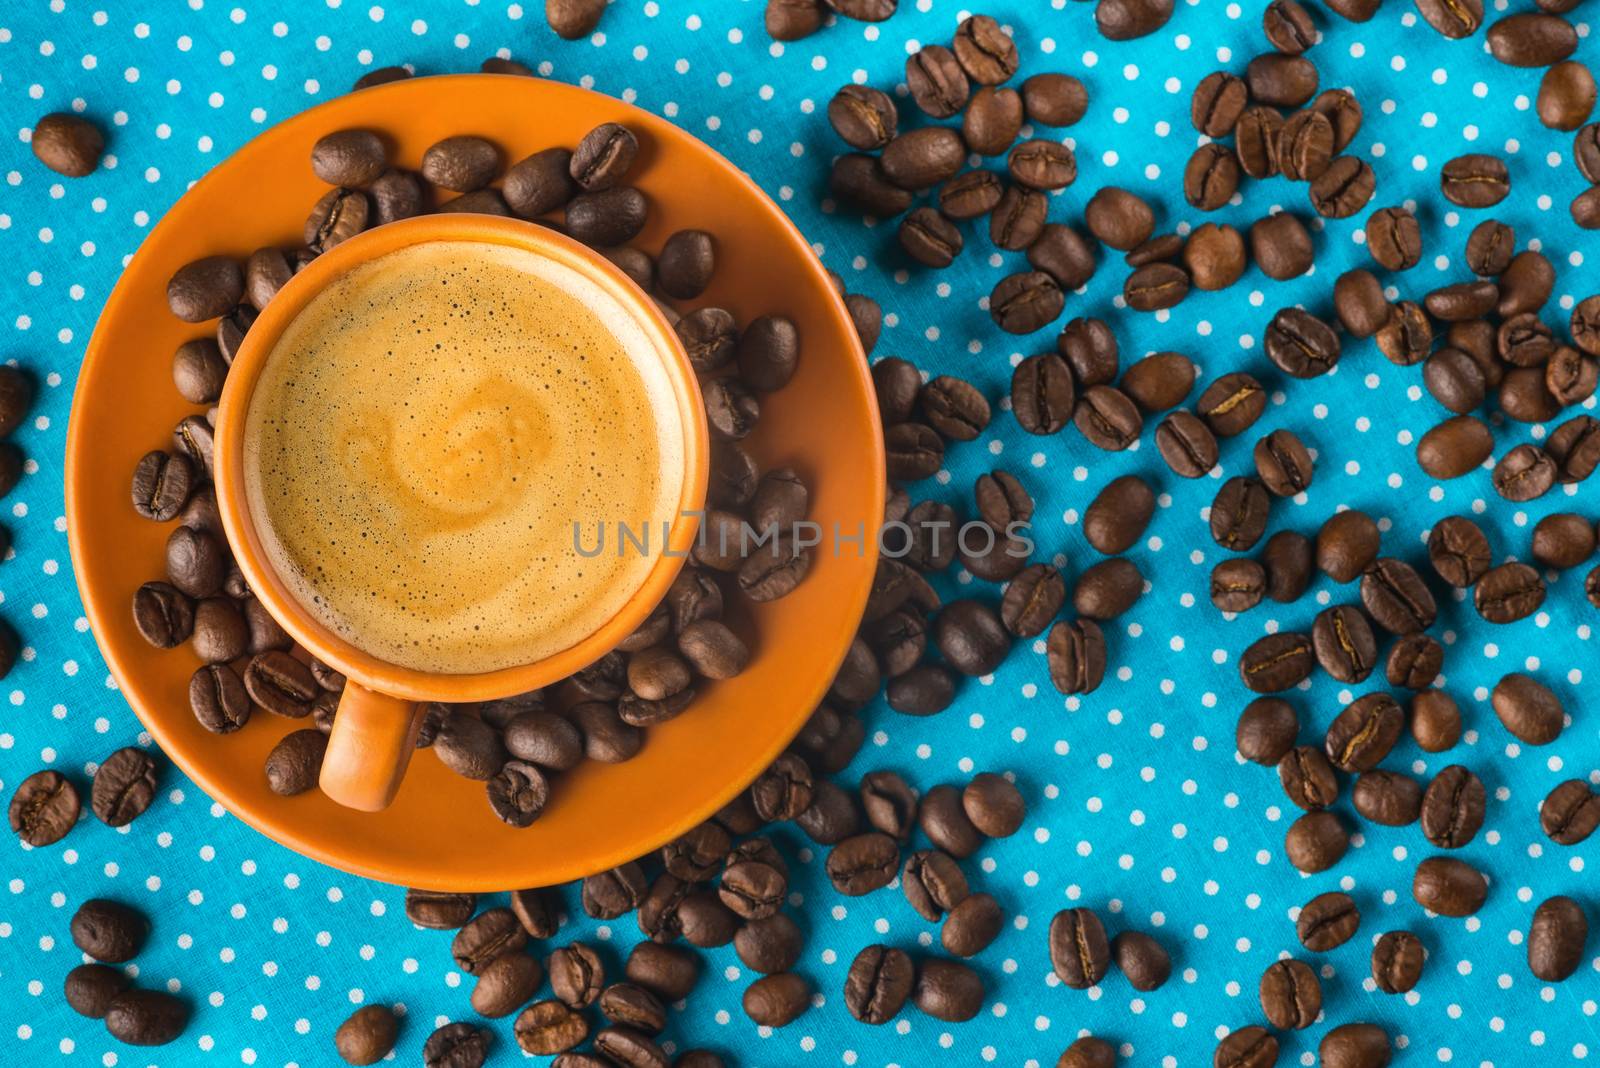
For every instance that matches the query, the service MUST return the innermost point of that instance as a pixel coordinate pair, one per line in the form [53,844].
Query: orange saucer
[439,833]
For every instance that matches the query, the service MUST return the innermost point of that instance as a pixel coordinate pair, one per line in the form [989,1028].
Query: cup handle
[369,747]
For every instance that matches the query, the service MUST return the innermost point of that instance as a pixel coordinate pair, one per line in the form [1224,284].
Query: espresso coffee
[427,432]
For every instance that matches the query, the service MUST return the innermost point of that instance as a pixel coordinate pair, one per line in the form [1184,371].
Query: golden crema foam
[427,431]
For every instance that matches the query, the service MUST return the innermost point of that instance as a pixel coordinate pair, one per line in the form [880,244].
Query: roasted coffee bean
[1571,377]
[231,329]
[878,984]
[1284,81]
[1042,394]
[1354,1045]
[196,562]
[549,1027]
[1289,562]
[283,685]
[1509,592]
[1080,954]
[1453,807]
[1490,247]
[1305,146]
[986,53]
[783,791]
[776,1000]
[1126,20]
[456,1045]
[1523,396]
[954,407]
[1156,286]
[349,157]
[1266,730]
[1211,177]
[933,884]
[1575,447]
[1342,639]
[1053,99]
[67,143]
[124,785]
[921,159]
[1161,380]
[1525,341]
[199,371]
[1280,245]
[948,990]
[1387,797]
[1058,251]
[1143,960]
[993,804]
[109,931]
[1397,960]
[1116,519]
[1076,654]
[1531,40]
[1570,813]
[890,804]
[897,384]
[1291,995]
[218,699]
[1449,887]
[1394,239]
[1107,589]
[506,984]
[1256,141]
[1364,733]
[1107,418]
[1276,662]
[1528,709]
[539,184]
[1454,19]
[1585,209]
[1215,258]
[1556,939]
[606,218]
[1315,842]
[1586,152]
[1088,1051]
[915,451]
[938,84]
[1022,303]
[1002,500]
[1090,348]
[44,808]
[1239,513]
[1355,10]
[438,910]
[395,195]
[91,988]
[1455,380]
[864,863]
[576,974]
[1464,300]
[832,816]
[1525,284]
[161,485]
[1396,598]
[1120,219]
[863,117]
[1523,474]
[1475,180]
[929,238]
[669,972]
[1563,540]
[1288,27]
[971,195]
[629,1005]
[615,892]
[1414,662]
[205,289]
[572,19]
[1186,444]
[1435,721]
[462,163]
[1307,778]
[338,216]
[1406,335]
[769,574]
[1344,188]
[943,818]
[518,793]
[1248,1047]
[147,1017]
[1283,463]
[293,765]
[163,615]
[992,120]
[1300,344]
[1018,222]
[1232,403]
[1347,545]
[972,926]
[1327,921]
[1032,600]
[686,264]
[899,639]
[1042,165]
[1455,447]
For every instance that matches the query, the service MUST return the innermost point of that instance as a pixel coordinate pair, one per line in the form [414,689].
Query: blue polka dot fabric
[1138,805]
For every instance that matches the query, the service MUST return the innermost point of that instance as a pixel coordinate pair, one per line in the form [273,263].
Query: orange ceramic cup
[375,730]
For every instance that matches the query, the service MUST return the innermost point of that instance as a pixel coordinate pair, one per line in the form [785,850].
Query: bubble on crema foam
[426,433]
